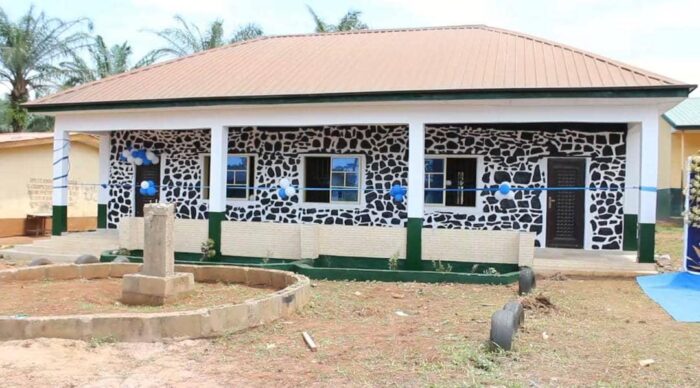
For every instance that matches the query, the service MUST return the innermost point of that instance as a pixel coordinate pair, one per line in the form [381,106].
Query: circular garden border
[293,292]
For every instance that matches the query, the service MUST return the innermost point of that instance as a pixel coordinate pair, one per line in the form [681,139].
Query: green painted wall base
[647,236]
[414,244]
[357,268]
[101,216]
[215,219]
[59,220]
[629,233]
[669,203]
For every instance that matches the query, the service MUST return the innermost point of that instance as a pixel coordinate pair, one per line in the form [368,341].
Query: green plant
[207,249]
[490,271]
[438,266]
[99,341]
[394,261]
[266,259]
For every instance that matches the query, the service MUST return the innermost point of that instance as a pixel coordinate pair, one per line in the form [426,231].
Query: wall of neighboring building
[674,149]
[27,186]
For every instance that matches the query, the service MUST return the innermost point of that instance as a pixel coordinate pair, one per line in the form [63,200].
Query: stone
[87,259]
[40,261]
[121,259]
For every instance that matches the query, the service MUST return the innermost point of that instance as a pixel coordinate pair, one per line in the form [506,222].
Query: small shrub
[99,341]
[122,252]
[490,271]
[438,266]
[207,249]
[394,261]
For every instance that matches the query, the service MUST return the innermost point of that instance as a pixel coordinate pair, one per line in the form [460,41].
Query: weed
[438,266]
[207,249]
[99,341]
[121,252]
[490,271]
[394,261]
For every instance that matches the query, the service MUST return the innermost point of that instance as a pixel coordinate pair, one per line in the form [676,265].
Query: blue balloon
[282,193]
[397,192]
[151,191]
[504,188]
[143,191]
[151,183]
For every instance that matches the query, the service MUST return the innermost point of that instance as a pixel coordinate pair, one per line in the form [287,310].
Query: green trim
[59,220]
[101,216]
[629,232]
[414,244]
[647,236]
[356,268]
[435,95]
[677,202]
[215,219]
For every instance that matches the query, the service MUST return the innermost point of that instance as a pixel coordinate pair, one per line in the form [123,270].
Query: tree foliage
[349,22]
[30,48]
[187,38]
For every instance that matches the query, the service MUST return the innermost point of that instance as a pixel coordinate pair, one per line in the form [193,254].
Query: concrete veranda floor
[590,262]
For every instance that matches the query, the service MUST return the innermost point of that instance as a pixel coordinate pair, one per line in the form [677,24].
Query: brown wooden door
[144,173]
[565,208]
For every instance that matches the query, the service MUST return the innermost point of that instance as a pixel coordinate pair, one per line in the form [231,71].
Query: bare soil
[596,334]
[80,296]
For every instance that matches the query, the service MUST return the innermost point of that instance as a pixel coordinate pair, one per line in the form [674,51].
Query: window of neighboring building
[240,177]
[332,179]
[449,175]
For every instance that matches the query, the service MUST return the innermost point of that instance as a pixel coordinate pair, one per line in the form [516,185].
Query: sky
[657,35]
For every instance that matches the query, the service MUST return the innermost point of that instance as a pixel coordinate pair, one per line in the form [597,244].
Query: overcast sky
[662,36]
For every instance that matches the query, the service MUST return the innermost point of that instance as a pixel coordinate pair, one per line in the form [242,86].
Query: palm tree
[103,63]
[349,22]
[29,49]
[186,38]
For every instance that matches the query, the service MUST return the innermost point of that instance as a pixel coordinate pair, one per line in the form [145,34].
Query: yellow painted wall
[665,147]
[27,174]
[674,150]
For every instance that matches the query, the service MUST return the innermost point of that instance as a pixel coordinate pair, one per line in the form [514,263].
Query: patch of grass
[669,241]
[99,341]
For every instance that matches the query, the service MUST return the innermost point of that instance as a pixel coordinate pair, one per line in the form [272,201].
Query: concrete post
[103,188]
[61,152]
[631,204]
[158,227]
[415,194]
[649,162]
[217,183]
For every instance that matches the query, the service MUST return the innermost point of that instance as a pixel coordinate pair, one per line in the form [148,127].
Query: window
[332,179]
[240,177]
[447,176]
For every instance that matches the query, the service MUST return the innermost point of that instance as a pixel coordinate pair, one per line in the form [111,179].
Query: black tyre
[87,259]
[518,312]
[40,261]
[502,329]
[527,282]
[121,259]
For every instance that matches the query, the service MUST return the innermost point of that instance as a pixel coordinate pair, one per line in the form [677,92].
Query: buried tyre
[502,329]
[518,312]
[526,280]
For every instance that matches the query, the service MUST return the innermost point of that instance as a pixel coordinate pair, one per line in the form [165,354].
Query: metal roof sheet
[685,114]
[459,58]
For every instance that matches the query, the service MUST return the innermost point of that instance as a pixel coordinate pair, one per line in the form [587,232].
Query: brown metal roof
[460,58]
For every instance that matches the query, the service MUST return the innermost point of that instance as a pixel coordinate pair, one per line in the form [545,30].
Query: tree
[186,38]
[349,22]
[29,50]
[103,63]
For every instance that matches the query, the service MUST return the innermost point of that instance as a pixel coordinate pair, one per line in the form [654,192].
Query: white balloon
[144,185]
[126,154]
[138,161]
[290,191]
[155,160]
[150,155]
[284,183]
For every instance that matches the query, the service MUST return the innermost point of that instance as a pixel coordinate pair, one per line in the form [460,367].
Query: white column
[217,169]
[61,151]
[632,169]
[649,164]
[416,169]
[103,193]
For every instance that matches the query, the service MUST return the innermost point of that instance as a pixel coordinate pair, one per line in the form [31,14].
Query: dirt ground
[596,335]
[37,298]
[400,334]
